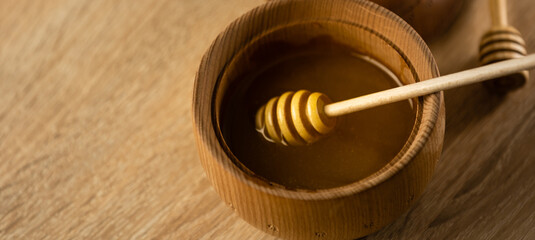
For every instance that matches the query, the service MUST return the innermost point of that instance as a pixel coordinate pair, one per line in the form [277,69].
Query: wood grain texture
[96,139]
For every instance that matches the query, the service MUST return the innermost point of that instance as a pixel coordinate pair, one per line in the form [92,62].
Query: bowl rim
[219,151]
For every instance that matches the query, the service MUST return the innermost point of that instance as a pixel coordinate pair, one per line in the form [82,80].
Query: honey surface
[361,143]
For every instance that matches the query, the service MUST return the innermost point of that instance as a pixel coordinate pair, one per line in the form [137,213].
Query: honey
[360,145]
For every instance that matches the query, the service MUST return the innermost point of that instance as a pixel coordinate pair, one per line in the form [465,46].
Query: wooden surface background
[96,138]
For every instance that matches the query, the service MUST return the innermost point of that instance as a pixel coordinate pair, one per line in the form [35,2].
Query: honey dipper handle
[454,80]
[498,12]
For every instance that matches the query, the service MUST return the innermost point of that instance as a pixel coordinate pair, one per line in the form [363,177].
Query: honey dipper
[302,117]
[502,42]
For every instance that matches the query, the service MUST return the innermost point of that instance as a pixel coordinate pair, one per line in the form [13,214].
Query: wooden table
[96,138]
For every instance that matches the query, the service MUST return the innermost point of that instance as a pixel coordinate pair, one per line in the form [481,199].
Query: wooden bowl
[345,212]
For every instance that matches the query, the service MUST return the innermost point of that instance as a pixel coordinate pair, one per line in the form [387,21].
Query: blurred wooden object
[430,18]
[500,43]
[96,140]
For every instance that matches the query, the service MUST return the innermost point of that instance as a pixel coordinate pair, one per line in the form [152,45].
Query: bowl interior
[283,42]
